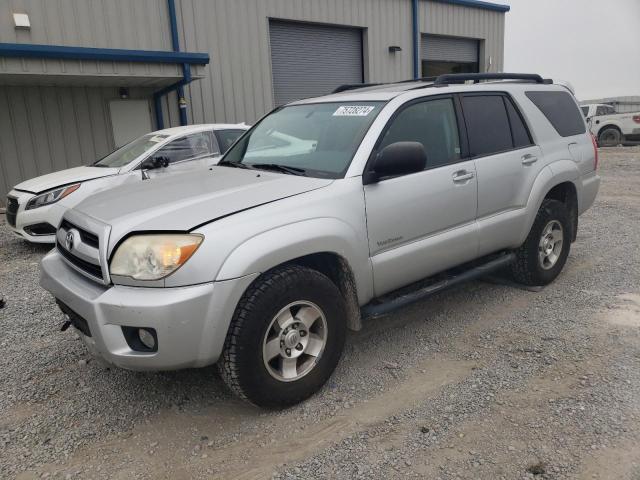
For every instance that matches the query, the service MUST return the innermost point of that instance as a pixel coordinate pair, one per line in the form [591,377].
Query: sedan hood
[64,177]
[182,202]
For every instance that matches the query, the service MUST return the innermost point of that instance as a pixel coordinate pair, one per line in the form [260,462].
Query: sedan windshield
[317,140]
[130,151]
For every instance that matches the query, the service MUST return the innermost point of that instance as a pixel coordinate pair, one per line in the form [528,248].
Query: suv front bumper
[191,322]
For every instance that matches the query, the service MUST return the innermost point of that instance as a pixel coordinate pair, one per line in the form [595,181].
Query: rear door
[423,223]
[507,162]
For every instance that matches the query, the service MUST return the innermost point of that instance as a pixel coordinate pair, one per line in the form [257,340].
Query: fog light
[147,338]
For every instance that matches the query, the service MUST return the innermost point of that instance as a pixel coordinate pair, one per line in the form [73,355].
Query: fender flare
[553,174]
[295,240]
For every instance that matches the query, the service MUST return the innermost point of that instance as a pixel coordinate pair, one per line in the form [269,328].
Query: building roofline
[496,7]
[28,50]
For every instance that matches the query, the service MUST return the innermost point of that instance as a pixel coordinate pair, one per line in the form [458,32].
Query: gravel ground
[484,381]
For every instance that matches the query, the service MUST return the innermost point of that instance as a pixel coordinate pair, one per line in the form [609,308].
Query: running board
[379,309]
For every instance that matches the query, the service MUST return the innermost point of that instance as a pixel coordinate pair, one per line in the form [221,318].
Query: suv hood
[64,177]
[182,202]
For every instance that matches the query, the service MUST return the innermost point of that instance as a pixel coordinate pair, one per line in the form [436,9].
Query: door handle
[529,159]
[462,176]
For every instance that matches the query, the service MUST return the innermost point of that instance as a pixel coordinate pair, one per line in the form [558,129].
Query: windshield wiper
[280,168]
[227,163]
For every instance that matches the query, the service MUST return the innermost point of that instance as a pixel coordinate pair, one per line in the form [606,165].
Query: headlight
[52,196]
[152,257]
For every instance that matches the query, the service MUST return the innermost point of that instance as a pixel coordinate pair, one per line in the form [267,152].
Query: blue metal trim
[104,54]
[496,7]
[186,69]
[173,22]
[416,44]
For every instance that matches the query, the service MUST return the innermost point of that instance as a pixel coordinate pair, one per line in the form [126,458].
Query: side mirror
[155,162]
[400,158]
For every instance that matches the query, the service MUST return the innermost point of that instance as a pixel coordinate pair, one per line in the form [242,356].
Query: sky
[592,44]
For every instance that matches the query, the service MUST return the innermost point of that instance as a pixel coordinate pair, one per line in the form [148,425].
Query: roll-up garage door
[442,55]
[449,49]
[310,60]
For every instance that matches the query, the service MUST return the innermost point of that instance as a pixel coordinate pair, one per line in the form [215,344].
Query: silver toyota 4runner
[327,211]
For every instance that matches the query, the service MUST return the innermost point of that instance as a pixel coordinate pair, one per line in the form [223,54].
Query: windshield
[130,151]
[318,140]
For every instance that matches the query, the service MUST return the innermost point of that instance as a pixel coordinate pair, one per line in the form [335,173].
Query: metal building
[79,78]
[620,104]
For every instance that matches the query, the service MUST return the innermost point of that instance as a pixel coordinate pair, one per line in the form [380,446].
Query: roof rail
[476,77]
[353,86]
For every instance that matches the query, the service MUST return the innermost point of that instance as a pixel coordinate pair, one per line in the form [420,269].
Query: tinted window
[487,124]
[561,111]
[227,137]
[188,148]
[432,123]
[585,111]
[519,131]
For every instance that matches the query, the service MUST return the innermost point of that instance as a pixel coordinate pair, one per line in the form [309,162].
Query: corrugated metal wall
[238,84]
[137,25]
[44,129]
[239,87]
[47,128]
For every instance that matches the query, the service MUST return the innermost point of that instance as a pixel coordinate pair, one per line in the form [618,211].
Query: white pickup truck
[611,128]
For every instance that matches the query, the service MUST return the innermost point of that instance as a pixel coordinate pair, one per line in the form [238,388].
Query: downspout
[178,86]
[416,43]
[186,71]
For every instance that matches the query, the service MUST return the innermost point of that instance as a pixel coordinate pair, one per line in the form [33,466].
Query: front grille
[12,210]
[88,267]
[87,237]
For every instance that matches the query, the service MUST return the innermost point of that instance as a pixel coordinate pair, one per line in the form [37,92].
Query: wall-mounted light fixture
[21,20]
[124,93]
[394,49]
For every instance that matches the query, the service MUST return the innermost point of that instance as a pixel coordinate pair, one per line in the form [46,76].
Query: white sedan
[35,207]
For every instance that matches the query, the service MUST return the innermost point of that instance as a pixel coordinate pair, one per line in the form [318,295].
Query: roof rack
[453,78]
[353,86]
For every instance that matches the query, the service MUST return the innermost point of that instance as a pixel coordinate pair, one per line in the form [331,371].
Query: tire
[609,137]
[263,333]
[539,260]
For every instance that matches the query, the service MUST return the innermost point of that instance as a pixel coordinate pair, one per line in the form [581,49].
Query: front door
[423,223]
[195,151]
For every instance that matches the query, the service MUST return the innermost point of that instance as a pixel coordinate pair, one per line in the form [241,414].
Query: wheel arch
[567,193]
[324,244]
[556,181]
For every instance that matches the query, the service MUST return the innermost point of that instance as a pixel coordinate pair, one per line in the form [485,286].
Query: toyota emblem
[68,241]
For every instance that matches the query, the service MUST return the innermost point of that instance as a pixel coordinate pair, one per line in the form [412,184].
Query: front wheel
[286,337]
[543,254]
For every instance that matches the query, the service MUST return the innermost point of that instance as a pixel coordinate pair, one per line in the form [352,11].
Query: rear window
[561,111]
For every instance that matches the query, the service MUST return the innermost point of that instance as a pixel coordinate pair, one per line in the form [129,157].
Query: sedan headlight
[152,257]
[52,196]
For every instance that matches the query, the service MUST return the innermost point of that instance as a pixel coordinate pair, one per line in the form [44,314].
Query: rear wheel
[609,137]
[542,256]
[286,337]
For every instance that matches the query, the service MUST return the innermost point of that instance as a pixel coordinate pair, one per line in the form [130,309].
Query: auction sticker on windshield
[353,111]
